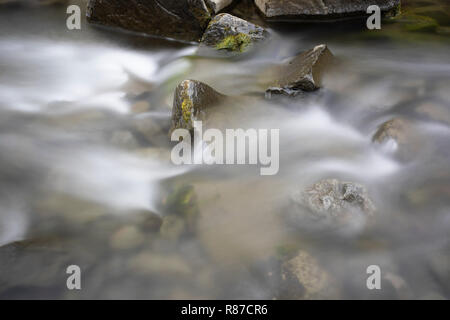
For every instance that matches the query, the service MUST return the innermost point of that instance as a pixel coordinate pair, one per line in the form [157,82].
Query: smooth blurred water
[72,183]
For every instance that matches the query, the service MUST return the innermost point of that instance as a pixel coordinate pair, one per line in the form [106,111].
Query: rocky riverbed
[86,176]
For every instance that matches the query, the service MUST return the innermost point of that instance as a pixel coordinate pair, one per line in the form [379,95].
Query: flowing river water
[85,170]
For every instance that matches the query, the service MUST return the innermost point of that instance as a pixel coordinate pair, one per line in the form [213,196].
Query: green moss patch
[186,109]
[237,43]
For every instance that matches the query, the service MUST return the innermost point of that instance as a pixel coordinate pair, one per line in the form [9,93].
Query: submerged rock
[332,204]
[433,111]
[152,129]
[322,10]
[149,263]
[127,237]
[400,137]
[180,211]
[231,35]
[183,20]
[192,99]
[124,139]
[303,73]
[393,129]
[302,277]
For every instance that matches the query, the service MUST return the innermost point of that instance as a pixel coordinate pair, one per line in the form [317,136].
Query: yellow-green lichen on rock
[231,35]
[237,43]
[186,108]
[192,99]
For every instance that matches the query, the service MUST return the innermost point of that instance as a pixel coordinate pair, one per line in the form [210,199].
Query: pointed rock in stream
[323,9]
[183,20]
[302,73]
[231,35]
[192,99]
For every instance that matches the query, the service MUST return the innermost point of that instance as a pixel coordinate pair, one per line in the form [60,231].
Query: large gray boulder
[183,20]
[321,9]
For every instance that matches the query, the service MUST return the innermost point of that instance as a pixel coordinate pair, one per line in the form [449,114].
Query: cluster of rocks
[303,73]
[200,21]
[219,32]
[191,21]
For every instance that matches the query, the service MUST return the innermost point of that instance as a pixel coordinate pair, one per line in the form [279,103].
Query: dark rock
[322,10]
[332,204]
[192,99]
[183,20]
[232,35]
[302,73]
[247,10]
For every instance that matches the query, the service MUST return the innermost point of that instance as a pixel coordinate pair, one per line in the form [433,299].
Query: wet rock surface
[178,19]
[321,10]
[401,137]
[302,73]
[191,101]
[231,35]
[332,204]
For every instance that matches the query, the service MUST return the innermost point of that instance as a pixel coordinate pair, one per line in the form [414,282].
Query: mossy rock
[191,101]
[230,35]
[236,43]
